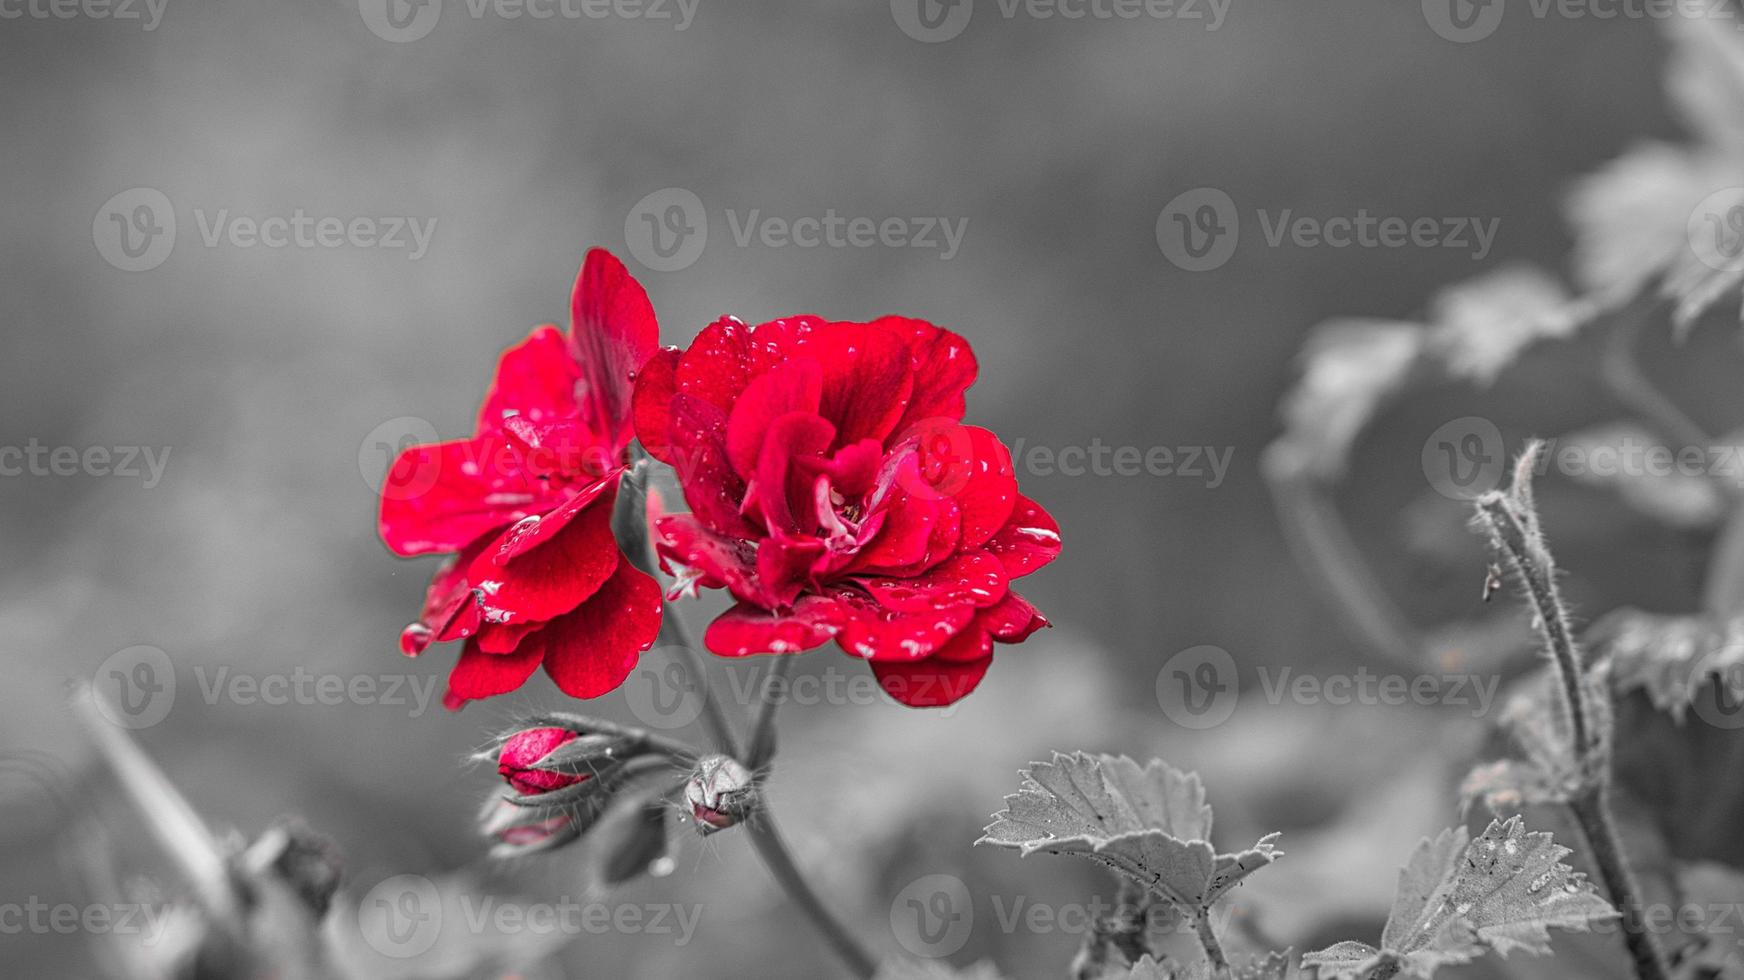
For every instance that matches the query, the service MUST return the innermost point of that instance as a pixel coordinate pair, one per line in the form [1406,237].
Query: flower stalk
[1512,521]
[765,836]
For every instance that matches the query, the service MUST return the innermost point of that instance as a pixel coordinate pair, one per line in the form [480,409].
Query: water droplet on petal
[415,639]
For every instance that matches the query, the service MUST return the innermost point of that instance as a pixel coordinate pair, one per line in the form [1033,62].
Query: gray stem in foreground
[1512,520]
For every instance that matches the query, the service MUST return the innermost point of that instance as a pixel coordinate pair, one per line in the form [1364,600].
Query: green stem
[1592,809]
[1514,525]
[763,729]
[1208,941]
[768,841]
[713,717]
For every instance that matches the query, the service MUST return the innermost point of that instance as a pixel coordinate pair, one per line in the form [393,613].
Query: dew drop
[415,639]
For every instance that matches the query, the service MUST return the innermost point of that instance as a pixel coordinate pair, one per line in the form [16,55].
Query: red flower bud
[523,751]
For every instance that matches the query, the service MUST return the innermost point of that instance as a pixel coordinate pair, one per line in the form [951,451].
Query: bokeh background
[269,375]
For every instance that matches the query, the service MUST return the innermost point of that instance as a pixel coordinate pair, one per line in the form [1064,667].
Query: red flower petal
[535,379]
[590,651]
[504,637]
[718,561]
[867,379]
[652,402]
[944,368]
[1029,539]
[783,490]
[535,530]
[877,633]
[919,530]
[973,577]
[784,568]
[746,629]
[542,583]
[1012,619]
[931,683]
[712,488]
[612,333]
[483,675]
[985,484]
[793,386]
[727,354]
[444,496]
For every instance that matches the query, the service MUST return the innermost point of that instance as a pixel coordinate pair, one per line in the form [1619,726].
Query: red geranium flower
[836,493]
[526,506]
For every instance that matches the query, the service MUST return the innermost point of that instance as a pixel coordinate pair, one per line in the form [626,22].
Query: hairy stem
[773,849]
[713,717]
[1513,523]
[1592,809]
[1208,942]
[1531,562]
[763,729]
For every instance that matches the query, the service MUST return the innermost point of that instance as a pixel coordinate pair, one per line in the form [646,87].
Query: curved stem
[1316,533]
[1510,530]
[768,841]
[763,729]
[713,717]
[1513,524]
[1621,372]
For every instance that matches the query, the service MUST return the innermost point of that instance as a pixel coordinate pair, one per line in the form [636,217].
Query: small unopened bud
[721,793]
[566,773]
[547,759]
[519,830]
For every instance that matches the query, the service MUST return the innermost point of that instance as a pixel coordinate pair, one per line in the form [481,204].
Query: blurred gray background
[269,373]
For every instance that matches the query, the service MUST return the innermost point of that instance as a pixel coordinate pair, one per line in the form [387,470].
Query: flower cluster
[833,491]
[525,506]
